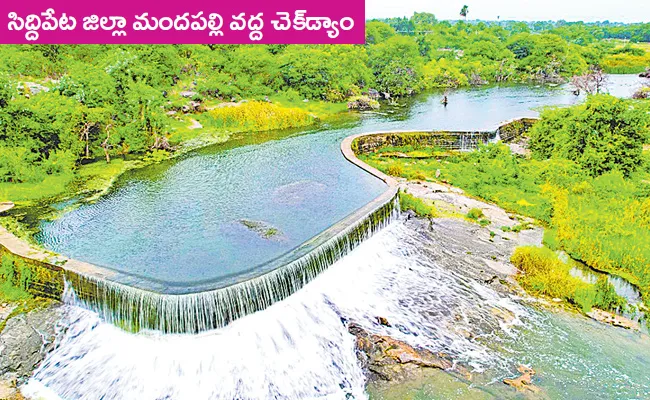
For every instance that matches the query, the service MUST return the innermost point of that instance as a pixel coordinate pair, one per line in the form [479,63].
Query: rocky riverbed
[468,249]
[25,340]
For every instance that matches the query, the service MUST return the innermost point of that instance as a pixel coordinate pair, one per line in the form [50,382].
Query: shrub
[362,103]
[625,63]
[545,274]
[259,116]
[475,214]
[14,278]
[419,206]
[642,93]
[603,134]
[395,170]
[606,297]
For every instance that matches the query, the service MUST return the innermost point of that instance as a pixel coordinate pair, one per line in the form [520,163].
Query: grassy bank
[89,181]
[602,221]
[544,274]
[217,125]
[591,191]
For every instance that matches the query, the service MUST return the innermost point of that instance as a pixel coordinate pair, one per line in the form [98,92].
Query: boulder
[25,340]
[523,383]
[388,359]
[362,103]
[32,88]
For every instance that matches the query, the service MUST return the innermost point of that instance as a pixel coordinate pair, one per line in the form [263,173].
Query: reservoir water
[183,223]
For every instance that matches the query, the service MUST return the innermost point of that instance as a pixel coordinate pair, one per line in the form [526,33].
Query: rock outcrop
[388,359]
[523,383]
[26,339]
[24,342]
[613,319]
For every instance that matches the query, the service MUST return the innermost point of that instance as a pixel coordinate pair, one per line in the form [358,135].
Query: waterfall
[296,349]
[136,309]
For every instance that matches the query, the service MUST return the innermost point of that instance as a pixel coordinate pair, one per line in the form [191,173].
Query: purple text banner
[192,22]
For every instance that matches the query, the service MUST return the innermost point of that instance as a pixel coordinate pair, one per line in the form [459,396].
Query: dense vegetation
[587,180]
[14,278]
[545,274]
[62,107]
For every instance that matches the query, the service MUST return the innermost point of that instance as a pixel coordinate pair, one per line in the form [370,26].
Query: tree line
[62,105]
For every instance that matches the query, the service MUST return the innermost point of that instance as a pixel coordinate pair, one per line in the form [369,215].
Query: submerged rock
[523,383]
[506,316]
[299,192]
[388,359]
[613,319]
[263,229]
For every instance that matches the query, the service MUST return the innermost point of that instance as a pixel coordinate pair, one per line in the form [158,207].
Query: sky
[524,10]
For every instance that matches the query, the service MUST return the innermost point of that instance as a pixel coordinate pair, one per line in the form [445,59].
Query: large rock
[524,382]
[362,103]
[613,319]
[388,359]
[25,341]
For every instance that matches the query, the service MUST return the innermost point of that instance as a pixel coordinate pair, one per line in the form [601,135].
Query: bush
[545,274]
[642,93]
[14,278]
[362,103]
[625,63]
[603,134]
[419,206]
[475,214]
[259,116]
[395,170]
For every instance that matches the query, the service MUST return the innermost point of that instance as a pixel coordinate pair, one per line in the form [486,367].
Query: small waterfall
[296,349]
[299,348]
[136,309]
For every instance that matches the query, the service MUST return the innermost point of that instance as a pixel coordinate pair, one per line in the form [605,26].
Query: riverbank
[587,214]
[482,253]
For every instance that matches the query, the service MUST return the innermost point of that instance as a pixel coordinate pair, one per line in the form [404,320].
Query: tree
[603,134]
[377,32]
[591,82]
[6,91]
[423,19]
[464,11]
[397,65]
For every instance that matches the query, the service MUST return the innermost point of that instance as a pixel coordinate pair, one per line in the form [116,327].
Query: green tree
[397,65]
[603,134]
[377,32]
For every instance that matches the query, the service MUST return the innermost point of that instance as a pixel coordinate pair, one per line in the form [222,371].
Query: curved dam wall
[133,309]
[507,131]
[209,307]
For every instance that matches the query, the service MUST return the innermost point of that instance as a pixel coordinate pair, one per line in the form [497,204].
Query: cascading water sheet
[134,309]
[300,348]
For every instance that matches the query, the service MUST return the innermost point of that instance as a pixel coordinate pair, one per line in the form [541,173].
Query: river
[181,221]
[299,348]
